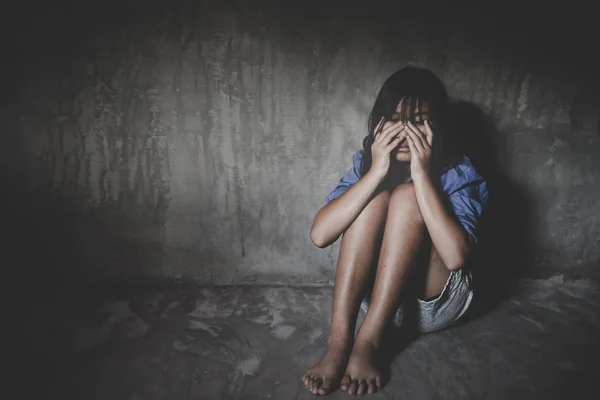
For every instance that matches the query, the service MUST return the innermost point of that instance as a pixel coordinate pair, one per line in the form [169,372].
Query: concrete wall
[196,141]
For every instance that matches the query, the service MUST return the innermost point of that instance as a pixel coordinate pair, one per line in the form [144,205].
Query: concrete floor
[185,342]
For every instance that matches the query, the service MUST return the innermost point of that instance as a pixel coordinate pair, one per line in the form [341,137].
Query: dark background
[195,141]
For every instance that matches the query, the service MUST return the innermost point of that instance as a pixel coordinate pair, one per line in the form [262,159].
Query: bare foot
[324,376]
[363,374]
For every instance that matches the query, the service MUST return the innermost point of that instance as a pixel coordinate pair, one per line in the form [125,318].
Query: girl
[409,192]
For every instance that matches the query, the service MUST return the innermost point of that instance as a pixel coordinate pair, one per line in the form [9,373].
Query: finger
[411,145]
[393,138]
[397,131]
[429,132]
[378,127]
[389,131]
[385,140]
[418,135]
[416,144]
[420,139]
[386,130]
[393,144]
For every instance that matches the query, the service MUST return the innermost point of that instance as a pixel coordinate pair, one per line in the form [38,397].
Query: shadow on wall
[506,231]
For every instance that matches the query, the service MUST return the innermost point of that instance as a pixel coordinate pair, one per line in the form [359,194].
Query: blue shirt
[465,188]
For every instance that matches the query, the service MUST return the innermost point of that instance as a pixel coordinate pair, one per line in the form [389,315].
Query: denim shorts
[444,310]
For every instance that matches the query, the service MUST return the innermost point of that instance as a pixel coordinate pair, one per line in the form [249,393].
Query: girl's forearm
[334,218]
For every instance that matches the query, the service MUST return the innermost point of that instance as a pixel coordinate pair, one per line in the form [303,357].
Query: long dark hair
[415,84]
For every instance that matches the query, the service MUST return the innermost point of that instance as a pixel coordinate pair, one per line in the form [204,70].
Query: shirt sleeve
[468,203]
[349,179]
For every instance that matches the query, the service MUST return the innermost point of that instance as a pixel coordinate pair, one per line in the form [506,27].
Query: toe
[362,386]
[372,386]
[378,383]
[317,384]
[345,383]
[325,387]
[353,387]
[305,379]
[310,380]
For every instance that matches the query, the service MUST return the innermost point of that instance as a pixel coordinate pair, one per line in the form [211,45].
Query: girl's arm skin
[451,241]
[334,218]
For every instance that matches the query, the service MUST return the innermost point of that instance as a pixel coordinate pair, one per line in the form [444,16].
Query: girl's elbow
[316,237]
[318,240]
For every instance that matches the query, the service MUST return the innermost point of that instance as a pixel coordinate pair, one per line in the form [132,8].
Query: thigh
[361,243]
[363,237]
[432,273]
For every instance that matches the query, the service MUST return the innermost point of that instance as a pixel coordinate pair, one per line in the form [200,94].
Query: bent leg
[401,245]
[402,240]
[356,263]
[433,277]
[426,282]
[358,253]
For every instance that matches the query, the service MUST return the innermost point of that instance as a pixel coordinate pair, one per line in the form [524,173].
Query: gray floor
[187,342]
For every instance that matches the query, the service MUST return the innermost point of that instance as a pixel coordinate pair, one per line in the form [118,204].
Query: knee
[376,209]
[404,198]
[404,194]
[381,199]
